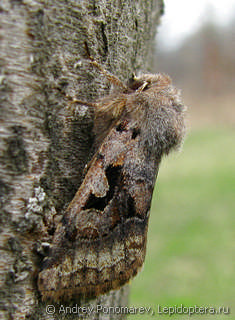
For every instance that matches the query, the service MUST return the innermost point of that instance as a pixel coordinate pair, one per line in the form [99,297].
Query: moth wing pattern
[102,239]
[100,243]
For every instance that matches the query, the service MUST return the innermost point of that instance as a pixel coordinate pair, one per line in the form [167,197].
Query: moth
[100,243]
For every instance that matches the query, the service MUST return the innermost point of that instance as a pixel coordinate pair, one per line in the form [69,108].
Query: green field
[191,240]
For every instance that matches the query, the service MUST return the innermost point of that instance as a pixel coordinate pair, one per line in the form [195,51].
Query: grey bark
[44,142]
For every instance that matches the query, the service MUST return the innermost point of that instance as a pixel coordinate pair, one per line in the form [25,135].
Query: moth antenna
[141,88]
[109,76]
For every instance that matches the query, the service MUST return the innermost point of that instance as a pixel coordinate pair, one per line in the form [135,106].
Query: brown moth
[100,243]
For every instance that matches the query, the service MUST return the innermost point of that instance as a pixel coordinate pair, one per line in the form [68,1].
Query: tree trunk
[44,144]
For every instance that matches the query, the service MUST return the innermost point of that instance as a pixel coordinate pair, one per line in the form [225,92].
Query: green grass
[191,240]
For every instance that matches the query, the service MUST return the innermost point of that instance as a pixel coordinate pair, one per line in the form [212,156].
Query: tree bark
[44,142]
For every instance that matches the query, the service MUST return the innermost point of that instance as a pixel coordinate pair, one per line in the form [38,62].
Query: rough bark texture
[44,142]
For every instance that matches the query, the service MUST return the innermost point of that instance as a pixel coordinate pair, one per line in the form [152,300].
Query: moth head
[147,81]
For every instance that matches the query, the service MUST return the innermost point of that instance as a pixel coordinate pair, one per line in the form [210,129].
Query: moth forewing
[103,234]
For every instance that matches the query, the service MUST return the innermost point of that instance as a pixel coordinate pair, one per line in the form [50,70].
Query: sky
[184,17]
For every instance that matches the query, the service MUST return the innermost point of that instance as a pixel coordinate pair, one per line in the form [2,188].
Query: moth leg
[85,103]
[109,76]
[142,87]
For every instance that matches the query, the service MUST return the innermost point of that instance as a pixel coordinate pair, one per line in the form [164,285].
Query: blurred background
[191,242]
